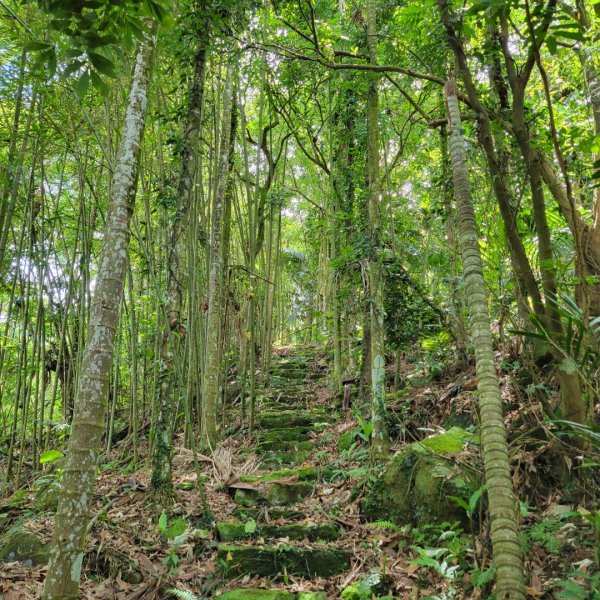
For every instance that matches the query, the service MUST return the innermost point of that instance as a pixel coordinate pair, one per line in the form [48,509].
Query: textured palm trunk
[66,555]
[508,557]
[379,435]
[212,373]
[173,330]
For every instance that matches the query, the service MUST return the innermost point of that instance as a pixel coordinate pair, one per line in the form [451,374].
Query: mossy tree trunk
[212,374]
[66,556]
[379,435]
[173,330]
[508,556]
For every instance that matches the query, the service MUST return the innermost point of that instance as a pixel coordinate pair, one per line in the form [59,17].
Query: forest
[299,299]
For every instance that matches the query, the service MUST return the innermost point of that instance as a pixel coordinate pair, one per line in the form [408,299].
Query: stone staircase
[272,536]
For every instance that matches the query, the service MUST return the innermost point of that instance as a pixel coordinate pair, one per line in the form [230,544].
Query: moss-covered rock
[246,497]
[283,419]
[284,494]
[301,473]
[24,546]
[416,483]
[264,513]
[267,561]
[230,531]
[287,433]
[256,594]
[274,493]
[273,458]
[283,445]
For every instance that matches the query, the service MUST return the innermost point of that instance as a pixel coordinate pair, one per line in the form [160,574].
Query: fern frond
[387,525]
[183,594]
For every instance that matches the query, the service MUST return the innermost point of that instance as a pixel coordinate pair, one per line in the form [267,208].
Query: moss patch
[24,546]
[256,594]
[417,481]
[232,531]
[281,494]
[268,561]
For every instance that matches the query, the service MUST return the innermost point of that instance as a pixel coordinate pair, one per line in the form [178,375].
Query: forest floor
[286,508]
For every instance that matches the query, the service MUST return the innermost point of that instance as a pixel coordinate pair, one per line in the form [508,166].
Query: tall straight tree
[173,329]
[508,556]
[66,555]
[379,436]
[212,372]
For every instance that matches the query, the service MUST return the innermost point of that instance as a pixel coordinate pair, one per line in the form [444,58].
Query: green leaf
[72,67]
[250,526]
[99,83]
[51,61]
[162,522]
[177,527]
[460,503]
[102,64]
[82,84]
[571,35]
[50,456]
[35,46]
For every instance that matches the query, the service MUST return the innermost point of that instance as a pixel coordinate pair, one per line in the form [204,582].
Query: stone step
[299,474]
[269,561]
[230,531]
[262,594]
[285,445]
[283,419]
[273,459]
[274,493]
[280,439]
[266,514]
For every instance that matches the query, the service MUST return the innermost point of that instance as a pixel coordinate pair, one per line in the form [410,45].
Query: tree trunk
[379,436]
[173,330]
[506,545]
[212,373]
[66,555]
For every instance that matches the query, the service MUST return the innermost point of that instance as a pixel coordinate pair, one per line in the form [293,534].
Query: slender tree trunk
[508,556]
[173,331]
[212,372]
[379,435]
[66,555]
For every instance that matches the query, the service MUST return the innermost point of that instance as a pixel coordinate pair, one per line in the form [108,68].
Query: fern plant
[388,525]
[184,594]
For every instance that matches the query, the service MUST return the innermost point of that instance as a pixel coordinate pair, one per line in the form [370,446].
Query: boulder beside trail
[22,545]
[417,483]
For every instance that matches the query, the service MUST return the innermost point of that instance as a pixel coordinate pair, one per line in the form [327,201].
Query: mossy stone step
[284,419]
[274,494]
[261,513]
[260,594]
[283,445]
[300,473]
[233,531]
[269,561]
[256,594]
[296,434]
[273,459]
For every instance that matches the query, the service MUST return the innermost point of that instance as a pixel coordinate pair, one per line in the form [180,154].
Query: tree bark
[212,374]
[508,556]
[379,435]
[66,555]
[173,330]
